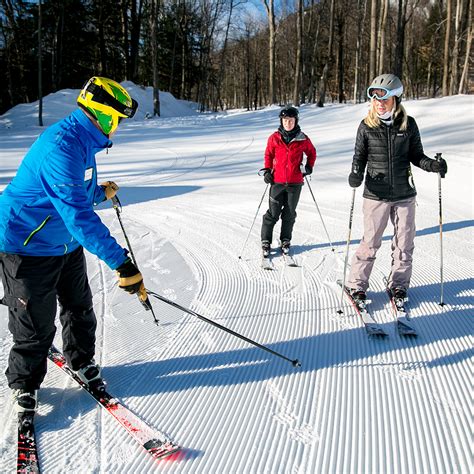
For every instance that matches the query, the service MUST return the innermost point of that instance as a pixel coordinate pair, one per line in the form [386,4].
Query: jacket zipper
[27,241]
[389,139]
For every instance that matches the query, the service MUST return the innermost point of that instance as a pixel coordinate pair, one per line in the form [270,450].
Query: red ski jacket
[285,160]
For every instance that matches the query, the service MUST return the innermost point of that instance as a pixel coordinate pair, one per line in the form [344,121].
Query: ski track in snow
[357,404]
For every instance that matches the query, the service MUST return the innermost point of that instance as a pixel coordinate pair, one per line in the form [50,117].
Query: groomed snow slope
[357,405]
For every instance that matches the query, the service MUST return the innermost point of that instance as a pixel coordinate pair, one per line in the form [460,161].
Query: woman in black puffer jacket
[388,143]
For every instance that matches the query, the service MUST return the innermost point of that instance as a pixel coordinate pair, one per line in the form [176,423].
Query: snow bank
[60,104]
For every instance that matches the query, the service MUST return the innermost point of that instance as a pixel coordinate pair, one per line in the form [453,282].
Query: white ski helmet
[389,83]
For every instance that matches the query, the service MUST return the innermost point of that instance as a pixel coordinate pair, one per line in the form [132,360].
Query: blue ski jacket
[47,209]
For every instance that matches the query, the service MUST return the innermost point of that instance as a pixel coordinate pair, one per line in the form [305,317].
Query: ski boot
[91,375]
[359,296]
[26,401]
[285,247]
[265,248]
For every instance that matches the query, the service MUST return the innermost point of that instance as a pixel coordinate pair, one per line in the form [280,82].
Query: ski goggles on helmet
[103,97]
[380,93]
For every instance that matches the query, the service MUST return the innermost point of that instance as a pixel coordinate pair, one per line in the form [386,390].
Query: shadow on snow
[447,227]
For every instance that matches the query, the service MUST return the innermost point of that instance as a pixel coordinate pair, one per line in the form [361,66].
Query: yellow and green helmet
[107,101]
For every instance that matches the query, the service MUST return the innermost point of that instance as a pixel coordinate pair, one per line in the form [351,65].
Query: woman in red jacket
[283,158]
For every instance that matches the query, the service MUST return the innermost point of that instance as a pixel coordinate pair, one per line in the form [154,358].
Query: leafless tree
[373,38]
[447,38]
[329,58]
[270,9]
[299,53]
[467,58]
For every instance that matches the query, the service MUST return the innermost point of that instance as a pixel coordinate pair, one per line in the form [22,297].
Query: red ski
[156,443]
[27,458]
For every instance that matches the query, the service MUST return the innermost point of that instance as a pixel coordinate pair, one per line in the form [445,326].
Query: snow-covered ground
[190,192]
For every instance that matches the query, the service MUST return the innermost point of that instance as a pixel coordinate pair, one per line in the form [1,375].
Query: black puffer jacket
[387,152]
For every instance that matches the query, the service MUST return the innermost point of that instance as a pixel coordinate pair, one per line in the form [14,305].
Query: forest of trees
[236,53]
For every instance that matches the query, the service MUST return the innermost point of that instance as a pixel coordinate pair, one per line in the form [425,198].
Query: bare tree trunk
[223,57]
[453,87]
[400,47]
[154,9]
[299,52]
[102,48]
[324,78]
[211,12]
[56,60]
[270,8]
[465,69]
[126,43]
[446,48]
[173,61]
[312,85]
[360,32]
[381,41]
[340,56]
[183,26]
[373,39]
[248,69]
[136,22]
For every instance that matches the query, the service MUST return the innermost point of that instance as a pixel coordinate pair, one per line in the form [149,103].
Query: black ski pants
[32,286]
[282,201]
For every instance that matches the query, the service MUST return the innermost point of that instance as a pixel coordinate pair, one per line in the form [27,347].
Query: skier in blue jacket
[46,219]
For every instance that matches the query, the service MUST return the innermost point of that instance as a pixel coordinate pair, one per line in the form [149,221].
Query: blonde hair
[372,120]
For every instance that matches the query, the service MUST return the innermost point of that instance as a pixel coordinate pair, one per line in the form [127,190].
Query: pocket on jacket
[35,231]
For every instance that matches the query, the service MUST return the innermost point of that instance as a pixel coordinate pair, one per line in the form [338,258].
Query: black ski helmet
[291,112]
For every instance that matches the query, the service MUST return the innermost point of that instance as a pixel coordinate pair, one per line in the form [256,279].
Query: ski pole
[251,227]
[320,215]
[441,302]
[347,248]
[295,362]
[142,296]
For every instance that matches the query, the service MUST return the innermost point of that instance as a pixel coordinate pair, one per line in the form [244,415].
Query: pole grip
[438,158]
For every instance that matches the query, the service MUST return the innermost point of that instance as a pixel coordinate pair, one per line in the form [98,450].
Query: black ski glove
[130,278]
[308,170]
[440,167]
[355,179]
[268,176]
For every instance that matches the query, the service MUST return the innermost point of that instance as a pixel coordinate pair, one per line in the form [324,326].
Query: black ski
[27,457]
[371,326]
[156,443]
[404,325]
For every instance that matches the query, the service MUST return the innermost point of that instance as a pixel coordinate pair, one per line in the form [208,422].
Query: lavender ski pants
[376,215]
